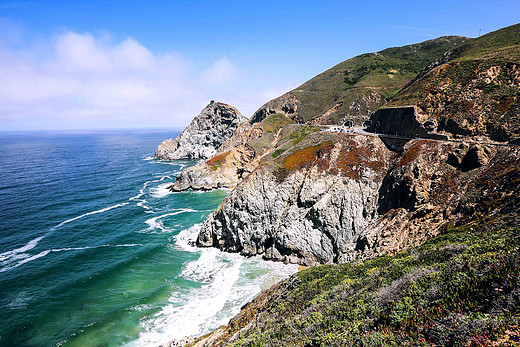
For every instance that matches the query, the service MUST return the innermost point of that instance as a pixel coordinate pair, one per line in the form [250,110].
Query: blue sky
[139,64]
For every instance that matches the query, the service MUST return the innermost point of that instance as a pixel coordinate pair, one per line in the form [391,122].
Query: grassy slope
[502,44]
[462,288]
[384,73]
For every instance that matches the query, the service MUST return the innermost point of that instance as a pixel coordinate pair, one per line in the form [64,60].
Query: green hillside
[503,44]
[359,86]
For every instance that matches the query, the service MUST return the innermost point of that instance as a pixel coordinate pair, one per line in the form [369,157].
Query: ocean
[95,251]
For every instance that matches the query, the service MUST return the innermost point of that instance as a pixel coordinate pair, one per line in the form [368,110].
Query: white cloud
[84,81]
[222,71]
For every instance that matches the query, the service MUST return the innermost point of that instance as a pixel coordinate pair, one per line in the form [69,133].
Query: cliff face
[204,135]
[305,207]
[338,197]
[235,158]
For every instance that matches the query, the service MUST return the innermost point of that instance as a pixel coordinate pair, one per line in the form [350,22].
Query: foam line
[161,190]
[92,247]
[30,245]
[153,223]
[25,258]
[91,213]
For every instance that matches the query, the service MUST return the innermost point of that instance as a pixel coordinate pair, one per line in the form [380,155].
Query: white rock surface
[204,135]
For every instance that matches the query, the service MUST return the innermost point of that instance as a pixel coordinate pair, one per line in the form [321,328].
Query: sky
[156,64]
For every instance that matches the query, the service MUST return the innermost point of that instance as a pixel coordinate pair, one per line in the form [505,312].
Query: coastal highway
[358,130]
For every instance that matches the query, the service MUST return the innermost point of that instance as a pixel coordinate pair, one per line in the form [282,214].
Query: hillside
[358,86]
[474,91]
[460,289]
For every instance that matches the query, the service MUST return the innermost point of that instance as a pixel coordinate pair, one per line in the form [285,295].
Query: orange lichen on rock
[353,159]
[216,161]
[308,157]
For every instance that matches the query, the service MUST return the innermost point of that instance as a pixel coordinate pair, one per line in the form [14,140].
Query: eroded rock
[204,135]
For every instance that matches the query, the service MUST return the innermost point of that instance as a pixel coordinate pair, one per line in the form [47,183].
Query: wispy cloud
[86,81]
[221,72]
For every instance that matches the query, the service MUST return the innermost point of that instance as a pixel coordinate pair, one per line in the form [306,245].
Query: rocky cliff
[235,158]
[338,197]
[307,205]
[215,124]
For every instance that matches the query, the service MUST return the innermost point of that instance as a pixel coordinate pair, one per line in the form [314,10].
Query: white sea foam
[22,258]
[93,247]
[157,192]
[34,257]
[226,285]
[155,223]
[161,190]
[185,239]
[91,213]
[193,315]
[10,254]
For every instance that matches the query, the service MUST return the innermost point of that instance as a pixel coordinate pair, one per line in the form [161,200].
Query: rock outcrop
[474,91]
[235,158]
[423,194]
[309,207]
[337,198]
[286,104]
[204,135]
[403,121]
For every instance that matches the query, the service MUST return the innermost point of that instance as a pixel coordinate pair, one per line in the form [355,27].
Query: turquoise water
[94,250]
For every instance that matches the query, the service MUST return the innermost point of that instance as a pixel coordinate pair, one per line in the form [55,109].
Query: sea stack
[203,136]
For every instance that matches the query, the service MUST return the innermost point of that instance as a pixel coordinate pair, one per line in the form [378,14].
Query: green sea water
[95,251]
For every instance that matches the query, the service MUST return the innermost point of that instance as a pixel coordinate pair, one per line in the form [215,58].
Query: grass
[459,289]
[300,133]
[270,127]
[274,122]
[502,44]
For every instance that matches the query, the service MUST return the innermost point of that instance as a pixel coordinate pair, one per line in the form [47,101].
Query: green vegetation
[270,127]
[503,44]
[302,132]
[368,79]
[274,122]
[278,152]
[459,289]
